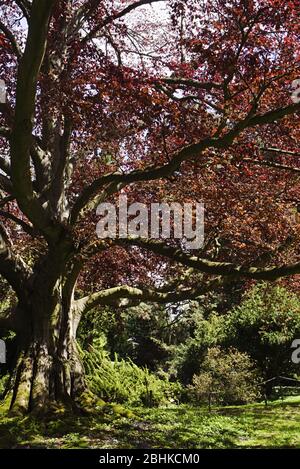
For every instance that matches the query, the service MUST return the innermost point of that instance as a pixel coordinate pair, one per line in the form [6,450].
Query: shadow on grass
[257,426]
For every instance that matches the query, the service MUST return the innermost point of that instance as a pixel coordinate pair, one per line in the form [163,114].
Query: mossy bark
[46,378]
[48,371]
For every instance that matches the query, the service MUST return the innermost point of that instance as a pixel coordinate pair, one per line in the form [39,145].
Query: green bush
[3,383]
[226,377]
[122,381]
[264,326]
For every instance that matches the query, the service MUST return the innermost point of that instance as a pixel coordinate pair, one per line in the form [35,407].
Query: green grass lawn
[253,426]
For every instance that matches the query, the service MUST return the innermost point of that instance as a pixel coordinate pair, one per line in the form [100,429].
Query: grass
[252,426]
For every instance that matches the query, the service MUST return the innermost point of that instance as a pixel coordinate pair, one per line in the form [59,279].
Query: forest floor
[252,426]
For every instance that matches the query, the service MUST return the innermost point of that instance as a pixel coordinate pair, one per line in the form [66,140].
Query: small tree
[264,326]
[227,377]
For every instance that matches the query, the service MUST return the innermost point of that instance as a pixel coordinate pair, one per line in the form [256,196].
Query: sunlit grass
[252,426]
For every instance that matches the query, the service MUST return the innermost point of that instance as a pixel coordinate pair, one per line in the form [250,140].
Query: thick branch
[63,168]
[112,296]
[27,228]
[272,116]
[12,267]
[21,141]
[41,163]
[204,85]
[13,42]
[212,267]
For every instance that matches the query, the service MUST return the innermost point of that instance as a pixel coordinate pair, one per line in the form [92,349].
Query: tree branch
[280,151]
[12,266]
[212,267]
[5,200]
[13,42]
[271,164]
[29,229]
[112,296]
[108,20]
[24,6]
[21,140]
[189,97]
[205,85]
[42,164]
[5,184]
[184,154]
[5,166]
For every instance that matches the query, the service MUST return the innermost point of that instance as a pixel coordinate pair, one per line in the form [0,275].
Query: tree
[264,326]
[94,106]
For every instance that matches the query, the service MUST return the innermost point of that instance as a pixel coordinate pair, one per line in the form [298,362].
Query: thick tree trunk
[49,371]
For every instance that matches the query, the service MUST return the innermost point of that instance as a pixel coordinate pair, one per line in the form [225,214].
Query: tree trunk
[49,371]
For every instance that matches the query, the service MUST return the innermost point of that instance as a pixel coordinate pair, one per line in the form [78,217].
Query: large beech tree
[105,96]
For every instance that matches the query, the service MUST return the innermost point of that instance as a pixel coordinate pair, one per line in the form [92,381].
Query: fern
[123,381]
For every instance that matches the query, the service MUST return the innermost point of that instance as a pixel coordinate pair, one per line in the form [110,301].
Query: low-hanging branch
[112,296]
[213,267]
[68,97]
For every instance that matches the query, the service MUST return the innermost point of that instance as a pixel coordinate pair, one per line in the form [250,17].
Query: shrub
[226,377]
[3,384]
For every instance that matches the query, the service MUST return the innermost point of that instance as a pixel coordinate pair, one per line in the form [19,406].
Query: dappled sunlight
[255,426]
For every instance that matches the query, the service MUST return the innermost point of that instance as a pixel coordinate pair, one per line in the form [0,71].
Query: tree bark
[49,371]
[49,368]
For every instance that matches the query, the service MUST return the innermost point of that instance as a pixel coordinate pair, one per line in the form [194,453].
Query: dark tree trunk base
[45,382]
